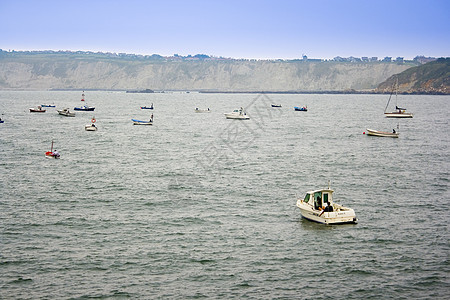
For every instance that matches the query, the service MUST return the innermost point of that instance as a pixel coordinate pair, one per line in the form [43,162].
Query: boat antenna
[329,181]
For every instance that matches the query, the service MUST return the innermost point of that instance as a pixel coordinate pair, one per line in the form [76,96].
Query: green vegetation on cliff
[430,78]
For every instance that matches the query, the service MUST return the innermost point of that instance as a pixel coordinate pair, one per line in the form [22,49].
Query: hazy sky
[230,28]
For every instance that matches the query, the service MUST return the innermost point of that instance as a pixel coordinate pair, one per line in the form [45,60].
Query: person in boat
[151,118]
[55,153]
[393,130]
[328,208]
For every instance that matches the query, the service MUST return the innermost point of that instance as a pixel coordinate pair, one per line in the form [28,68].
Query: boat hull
[145,107]
[343,215]
[84,109]
[300,108]
[49,154]
[139,122]
[66,114]
[237,117]
[381,133]
[90,128]
[37,110]
[398,115]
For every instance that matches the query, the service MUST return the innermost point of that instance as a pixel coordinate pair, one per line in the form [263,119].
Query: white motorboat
[90,127]
[197,110]
[66,112]
[318,206]
[238,114]
[392,134]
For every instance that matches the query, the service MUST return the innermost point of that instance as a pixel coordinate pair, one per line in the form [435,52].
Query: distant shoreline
[346,92]
[318,92]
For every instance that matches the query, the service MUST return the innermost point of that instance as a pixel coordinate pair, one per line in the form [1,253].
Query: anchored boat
[140,122]
[197,110]
[91,127]
[38,109]
[147,107]
[238,114]
[399,112]
[84,108]
[66,112]
[318,206]
[392,134]
[304,108]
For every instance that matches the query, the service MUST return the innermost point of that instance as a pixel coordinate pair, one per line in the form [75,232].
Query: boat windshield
[325,197]
[306,198]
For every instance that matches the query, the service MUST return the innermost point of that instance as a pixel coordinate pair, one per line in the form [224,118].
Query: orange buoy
[93,120]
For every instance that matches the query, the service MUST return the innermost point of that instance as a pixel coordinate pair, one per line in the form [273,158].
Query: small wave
[21,280]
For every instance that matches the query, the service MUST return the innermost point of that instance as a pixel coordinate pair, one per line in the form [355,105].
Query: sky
[260,29]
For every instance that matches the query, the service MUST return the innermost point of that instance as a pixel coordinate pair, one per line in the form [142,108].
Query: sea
[198,206]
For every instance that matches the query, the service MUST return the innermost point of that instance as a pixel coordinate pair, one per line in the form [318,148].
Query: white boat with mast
[318,206]
[399,112]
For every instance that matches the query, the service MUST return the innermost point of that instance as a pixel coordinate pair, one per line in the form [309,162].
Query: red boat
[52,154]
[38,109]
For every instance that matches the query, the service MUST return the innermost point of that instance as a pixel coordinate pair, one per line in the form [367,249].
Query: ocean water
[198,206]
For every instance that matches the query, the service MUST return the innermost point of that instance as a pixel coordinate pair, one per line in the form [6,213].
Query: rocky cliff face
[430,78]
[228,75]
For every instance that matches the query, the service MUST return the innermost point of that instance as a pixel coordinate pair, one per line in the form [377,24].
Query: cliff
[430,78]
[60,71]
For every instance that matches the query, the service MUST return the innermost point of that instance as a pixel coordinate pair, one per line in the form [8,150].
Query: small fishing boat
[304,108]
[48,105]
[66,112]
[147,107]
[276,105]
[318,206]
[38,109]
[197,110]
[84,108]
[238,114]
[140,122]
[392,134]
[399,112]
[91,127]
[52,154]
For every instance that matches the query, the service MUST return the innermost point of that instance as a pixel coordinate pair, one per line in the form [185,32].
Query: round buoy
[93,120]
[364,132]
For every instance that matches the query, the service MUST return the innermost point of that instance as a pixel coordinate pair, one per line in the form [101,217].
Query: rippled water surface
[198,206]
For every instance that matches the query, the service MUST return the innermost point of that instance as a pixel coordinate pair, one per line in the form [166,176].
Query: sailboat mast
[52,147]
[390,96]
